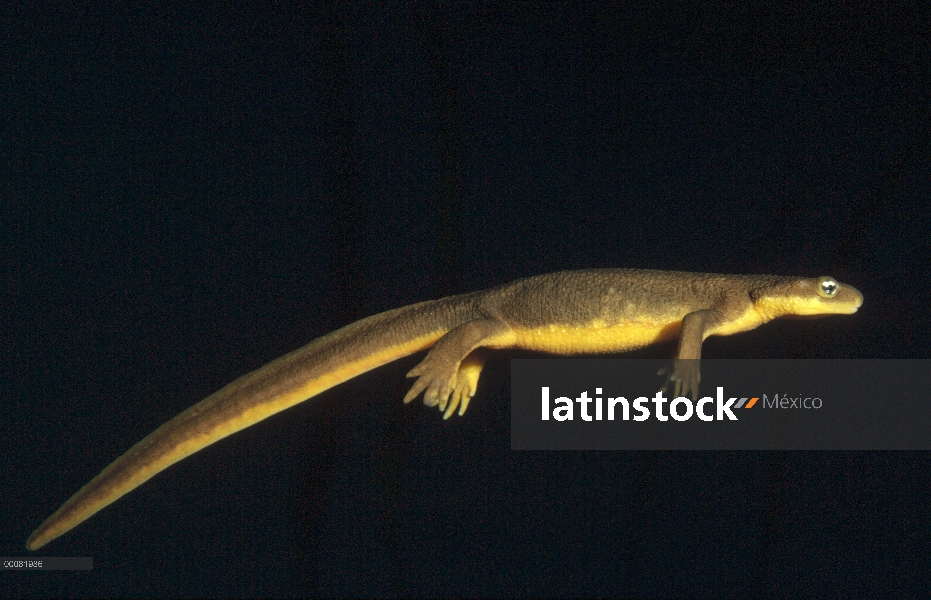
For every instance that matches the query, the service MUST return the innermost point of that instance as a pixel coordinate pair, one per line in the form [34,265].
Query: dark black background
[189,192]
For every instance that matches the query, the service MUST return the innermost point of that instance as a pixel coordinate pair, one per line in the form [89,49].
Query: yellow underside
[770,308]
[599,337]
[751,319]
[595,338]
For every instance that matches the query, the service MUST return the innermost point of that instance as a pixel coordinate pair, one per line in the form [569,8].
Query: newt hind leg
[466,382]
[453,365]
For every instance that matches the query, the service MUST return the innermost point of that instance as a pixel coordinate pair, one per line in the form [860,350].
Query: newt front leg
[686,373]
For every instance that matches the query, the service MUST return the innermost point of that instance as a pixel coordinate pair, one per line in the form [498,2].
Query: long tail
[282,383]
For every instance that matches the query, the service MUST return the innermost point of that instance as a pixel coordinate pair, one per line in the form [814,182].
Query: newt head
[810,297]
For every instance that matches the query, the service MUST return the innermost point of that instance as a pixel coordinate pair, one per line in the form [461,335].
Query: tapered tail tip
[37,540]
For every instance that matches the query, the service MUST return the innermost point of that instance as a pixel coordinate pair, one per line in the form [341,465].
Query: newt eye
[827,287]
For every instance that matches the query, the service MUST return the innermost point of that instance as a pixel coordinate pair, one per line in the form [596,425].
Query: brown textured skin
[570,312]
[578,297]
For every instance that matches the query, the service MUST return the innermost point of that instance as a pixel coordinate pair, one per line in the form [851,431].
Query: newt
[569,312]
